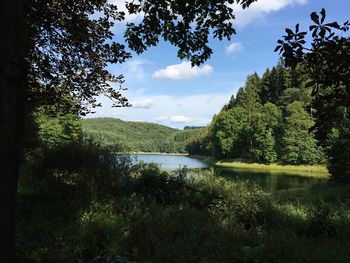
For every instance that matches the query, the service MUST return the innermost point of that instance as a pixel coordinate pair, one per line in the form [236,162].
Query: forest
[269,120]
[68,193]
[138,136]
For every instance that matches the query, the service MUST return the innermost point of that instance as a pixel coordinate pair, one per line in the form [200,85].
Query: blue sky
[163,89]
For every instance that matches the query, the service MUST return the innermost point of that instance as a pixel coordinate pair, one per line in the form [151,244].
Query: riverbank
[318,171]
[159,153]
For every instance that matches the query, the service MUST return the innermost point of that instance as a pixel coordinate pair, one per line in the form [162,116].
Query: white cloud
[133,70]
[233,48]
[259,9]
[180,118]
[161,118]
[183,71]
[174,119]
[143,104]
[122,7]
[174,111]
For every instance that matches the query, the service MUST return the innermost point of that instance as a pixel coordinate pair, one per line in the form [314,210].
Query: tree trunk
[12,111]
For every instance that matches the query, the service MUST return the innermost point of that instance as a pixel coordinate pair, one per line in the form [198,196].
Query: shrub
[82,169]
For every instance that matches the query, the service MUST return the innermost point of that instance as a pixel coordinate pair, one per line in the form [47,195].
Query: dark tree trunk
[12,111]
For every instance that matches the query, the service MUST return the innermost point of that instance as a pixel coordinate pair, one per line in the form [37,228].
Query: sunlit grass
[318,171]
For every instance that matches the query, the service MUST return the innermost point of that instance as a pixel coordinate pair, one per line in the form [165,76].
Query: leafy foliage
[69,49]
[57,130]
[299,146]
[225,132]
[70,44]
[327,63]
[185,24]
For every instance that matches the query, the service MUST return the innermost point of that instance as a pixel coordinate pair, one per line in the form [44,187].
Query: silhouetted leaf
[289,31]
[315,17]
[333,25]
[323,15]
[277,48]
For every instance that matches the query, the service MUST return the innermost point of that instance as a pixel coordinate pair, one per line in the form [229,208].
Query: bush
[100,231]
[339,159]
[82,169]
[180,234]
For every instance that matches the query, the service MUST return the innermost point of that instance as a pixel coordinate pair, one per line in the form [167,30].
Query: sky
[166,90]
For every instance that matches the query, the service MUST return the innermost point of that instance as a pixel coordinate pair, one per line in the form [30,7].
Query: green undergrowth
[89,204]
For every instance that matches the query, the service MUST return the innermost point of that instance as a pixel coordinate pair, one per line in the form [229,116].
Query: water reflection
[269,181]
[171,161]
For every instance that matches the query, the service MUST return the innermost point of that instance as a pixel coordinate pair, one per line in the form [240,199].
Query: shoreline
[319,171]
[157,153]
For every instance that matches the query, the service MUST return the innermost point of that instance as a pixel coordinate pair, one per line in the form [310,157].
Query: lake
[269,181]
[168,161]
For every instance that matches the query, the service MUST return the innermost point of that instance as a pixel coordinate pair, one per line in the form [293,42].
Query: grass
[307,170]
[317,171]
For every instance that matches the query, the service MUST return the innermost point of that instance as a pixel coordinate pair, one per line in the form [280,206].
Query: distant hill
[137,136]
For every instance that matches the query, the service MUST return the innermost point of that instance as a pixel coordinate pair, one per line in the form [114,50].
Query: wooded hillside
[130,136]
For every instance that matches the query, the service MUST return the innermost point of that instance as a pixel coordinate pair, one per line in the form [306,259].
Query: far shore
[159,153]
[319,171]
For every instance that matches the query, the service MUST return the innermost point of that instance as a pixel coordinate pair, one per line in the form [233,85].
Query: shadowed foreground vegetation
[79,199]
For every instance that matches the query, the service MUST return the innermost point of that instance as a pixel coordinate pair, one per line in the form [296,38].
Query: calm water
[271,182]
[171,161]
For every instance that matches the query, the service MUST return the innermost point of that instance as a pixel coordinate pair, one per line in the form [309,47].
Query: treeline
[128,136]
[269,120]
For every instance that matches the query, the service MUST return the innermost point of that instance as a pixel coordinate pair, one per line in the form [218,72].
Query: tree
[13,86]
[298,145]
[58,129]
[265,130]
[225,132]
[249,100]
[61,48]
[199,144]
[245,128]
[272,84]
[248,95]
[327,62]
